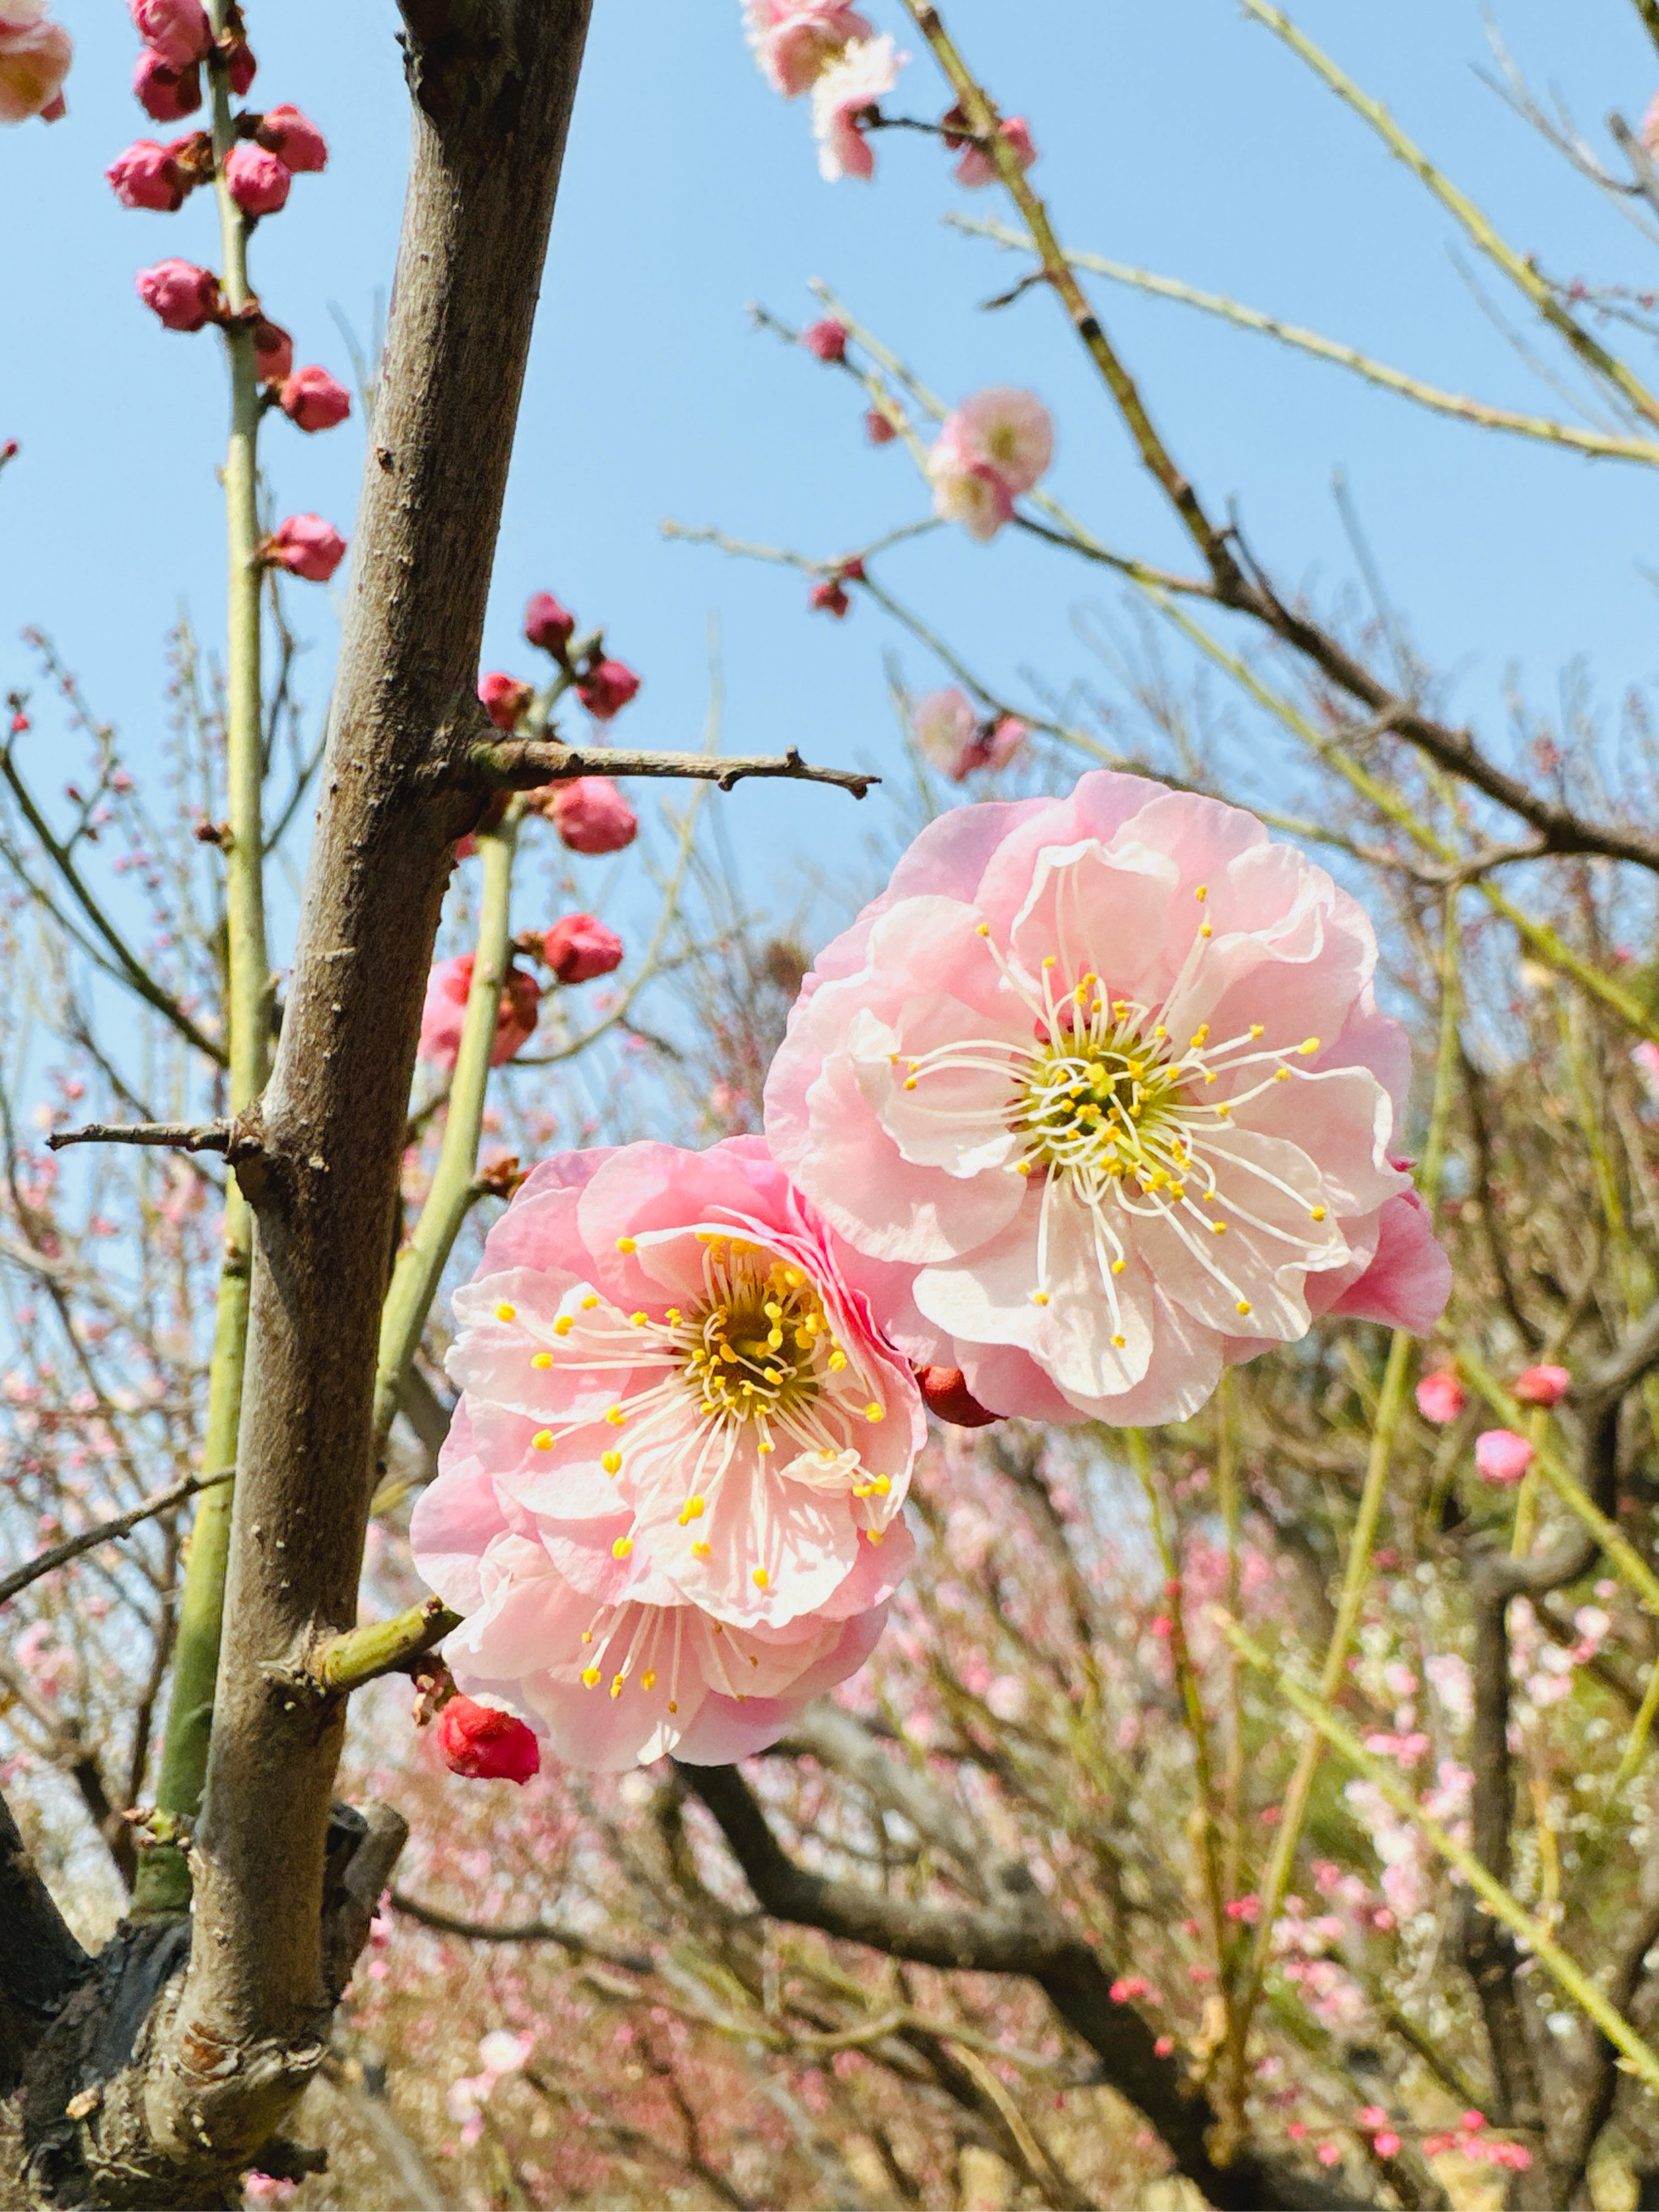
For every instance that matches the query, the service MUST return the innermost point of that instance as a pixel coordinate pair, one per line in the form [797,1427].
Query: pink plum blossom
[182,296]
[255,178]
[591,816]
[294,138]
[306,546]
[827,339]
[486,1744]
[578,947]
[1501,1455]
[505,698]
[1099,1091]
[1441,1397]
[314,399]
[857,81]
[548,625]
[146,175]
[976,168]
[176,30]
[166,95]
[957,741]
[968,492]
[795,40]
[1004,430]
[670,1502]
[35,54]
[447,989]
[606,689]
[1543,1386]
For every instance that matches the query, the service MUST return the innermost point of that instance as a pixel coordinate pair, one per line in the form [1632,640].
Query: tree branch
[173,1136]
[532,763]
[160,1501]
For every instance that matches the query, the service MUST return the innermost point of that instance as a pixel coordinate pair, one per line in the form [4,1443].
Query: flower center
[754,1351]
[1110,1104]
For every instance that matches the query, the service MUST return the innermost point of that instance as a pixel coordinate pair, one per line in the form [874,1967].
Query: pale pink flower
[969,493]
[1005,740]
[176,30]
[297,141]
[591,816]
[1004,429]
[1441,1397]
[1543,1386]
[1501,1455]
[670,1503]
[1099,1089]
[35,54]
[258,182]
[976,168]
[795,40]
[857,81]
[306,546]
[445,1011]
[945,727]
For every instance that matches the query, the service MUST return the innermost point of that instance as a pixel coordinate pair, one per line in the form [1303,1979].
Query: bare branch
[523,1931]
[106,1532]
[532,763]
[173,1136]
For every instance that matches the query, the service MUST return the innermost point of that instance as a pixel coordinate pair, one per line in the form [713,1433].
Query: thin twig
[528,763]
[170,1136]
[107,1531]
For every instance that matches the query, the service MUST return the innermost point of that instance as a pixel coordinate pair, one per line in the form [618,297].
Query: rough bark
[196,2063]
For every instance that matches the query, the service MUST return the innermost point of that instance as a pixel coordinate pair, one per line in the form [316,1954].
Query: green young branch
[380,1647]
[163,1884]
[421,1263]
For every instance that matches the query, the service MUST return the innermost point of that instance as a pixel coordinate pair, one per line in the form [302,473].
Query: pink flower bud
[1370,2116]
[176,30]
[273,352]
[578,947]
[1385,2143]
[1543,1386]
[240,67]
[591,816]
[830,598]
[506,699]
[548,625]
[1441,1397]
[1164,2046]
[164,94]
[878,429]
[184,296]
[827,339]
[35,54]
[256,180]
[947,1395]
[1005,738]
[1501,1455]
[444,1012]
[312,398]
[606,689]
[976,168]
[485,1744]
[294,139]
[1472,2122]
[306,546]
[147,176]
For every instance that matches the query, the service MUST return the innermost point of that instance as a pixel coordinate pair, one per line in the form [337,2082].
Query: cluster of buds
[576,949]
[1501,1456]
[178,38]
[603,686]
[829,595]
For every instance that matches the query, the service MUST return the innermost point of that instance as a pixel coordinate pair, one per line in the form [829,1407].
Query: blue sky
[1178,136]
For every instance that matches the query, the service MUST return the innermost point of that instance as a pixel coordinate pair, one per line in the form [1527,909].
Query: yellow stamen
[703,1551]
[622,1547]
[626,1245]
[762,1578]
[612,1463]
[648,1680]
[563,1326]
[1243,1305]
[616,1417]
[1039,1297]
[1308,1045]
[590,1677]
[873,1412]
[541,1359]
[505,1312]
[1318,1212]
[543,1440]
[590,1302]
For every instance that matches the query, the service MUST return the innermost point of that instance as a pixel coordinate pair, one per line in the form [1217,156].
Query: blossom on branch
[796,40]
[273,352]
[485,1744]
[827,339]
[993,447]
[607,689]
[176,31]
[314,399]
[578,947]
[444,1012]
[35,54]
[166,95]
[1441,1397]
[1501,1456]
[591,816]
[182,296]
[1543,1386]
[843,99]
[670,1503]
[1099,1091]
[258,182]
[146,175]
[306,546]
[976,167]
[547,625]
[957,741]
[294,138]
[505,698]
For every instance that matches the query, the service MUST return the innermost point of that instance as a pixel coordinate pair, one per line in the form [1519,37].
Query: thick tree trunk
[192,2082]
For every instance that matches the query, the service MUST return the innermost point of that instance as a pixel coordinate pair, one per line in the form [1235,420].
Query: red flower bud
[306,546]
[829,597]
[947,1395]
[505,698]
[546,624]
[294,139]
[1543,1386]
[176,30]
[485,1744]
[591,816]
[273,352]
[256,180]
[578,947]
[312,398]
[164,94]
[184,296]
[241,67]
[827,339]
[878,429]
[147,176]
[606,689]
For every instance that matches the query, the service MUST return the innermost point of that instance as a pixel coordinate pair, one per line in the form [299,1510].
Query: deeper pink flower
[240,67]
[547,625]
[1099,1089]
[1502,1456]
[1004,430]
[313,398]
[827,339]
[445,1011]
[35,54]
[1441,1397]
[591,816]
[976,168]
[578,947]
[506,699]
[273,352]
[182,296]
[659,1547]
[256,181]
[486,1744]
[795,40]
[176,30]
[306,546]
[842,95]
[1543,1386]
[830,597]
[166,95]
[294,138]
[606,689]
[147,176]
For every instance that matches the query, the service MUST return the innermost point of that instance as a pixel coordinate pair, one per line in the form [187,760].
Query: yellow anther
[543,1440]
[873,1412]
[1137,1069]
[1048,959]
[1243,1305]
[563,1326]
[1118,1266]
[766,1447]
[673,1316]
[612,1463]
[1308,1045]
[727,1354]
[1206,931]
[762,1578]
[626,1245]
[673,1705]
[505,1312]
[616,1417]
[590,1302]
[590,1677]
[587,1636]
[692,1509]
[648,1680]
[703,1551]
[639,1320]
[1022,1167]
[1120,1341]
[982,929]
[1257,1029]
[775,1340]
[616,1682]
[622,1547]
[541,1359]
[1281,1075]
[1039,1297]
[1202,893]
[909,1082]
[804,1339]
[837,1360]
[1217,1228]
[1224,1109]
[1318,1212]
[875,1536]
